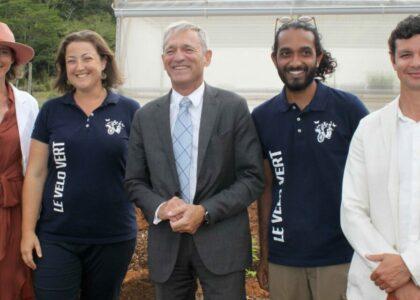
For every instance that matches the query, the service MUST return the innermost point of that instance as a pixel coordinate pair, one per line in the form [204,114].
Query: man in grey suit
[194,165]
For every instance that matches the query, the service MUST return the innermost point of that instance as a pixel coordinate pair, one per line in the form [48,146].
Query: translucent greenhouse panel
[241,55]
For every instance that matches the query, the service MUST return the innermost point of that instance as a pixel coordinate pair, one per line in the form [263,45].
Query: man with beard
[305,132]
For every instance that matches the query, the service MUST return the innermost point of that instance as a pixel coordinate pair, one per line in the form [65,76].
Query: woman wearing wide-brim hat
[18,111]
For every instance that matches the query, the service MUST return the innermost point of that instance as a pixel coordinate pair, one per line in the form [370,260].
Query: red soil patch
[137,284]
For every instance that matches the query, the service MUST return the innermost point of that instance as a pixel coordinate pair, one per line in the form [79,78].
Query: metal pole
[118,40]
[30,78]
[241,10]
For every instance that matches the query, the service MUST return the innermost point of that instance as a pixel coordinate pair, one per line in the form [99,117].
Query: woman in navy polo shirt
[85,235]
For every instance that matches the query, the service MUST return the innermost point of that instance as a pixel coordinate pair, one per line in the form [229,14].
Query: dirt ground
[137,284]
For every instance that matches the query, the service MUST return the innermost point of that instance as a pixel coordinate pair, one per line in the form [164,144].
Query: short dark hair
[405,29]
[113,77]
[327,64]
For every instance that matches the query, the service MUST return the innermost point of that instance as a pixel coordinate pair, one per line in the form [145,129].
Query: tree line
[43,23]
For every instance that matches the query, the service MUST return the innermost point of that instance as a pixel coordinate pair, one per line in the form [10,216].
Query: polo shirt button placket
[298,119]
[87,122]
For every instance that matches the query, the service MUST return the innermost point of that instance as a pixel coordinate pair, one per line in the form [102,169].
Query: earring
[103,75]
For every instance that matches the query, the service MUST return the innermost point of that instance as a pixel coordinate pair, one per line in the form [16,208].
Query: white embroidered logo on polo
[324,130]
[113,126]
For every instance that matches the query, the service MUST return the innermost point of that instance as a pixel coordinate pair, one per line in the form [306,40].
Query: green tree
[43,23]
[95,15]
[80,9]
[102,23]
[37,25]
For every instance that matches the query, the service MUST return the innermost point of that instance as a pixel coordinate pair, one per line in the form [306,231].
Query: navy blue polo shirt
[84,200]
[307,151]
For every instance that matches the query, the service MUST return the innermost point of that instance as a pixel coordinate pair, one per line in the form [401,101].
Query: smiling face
[296,60]
[6,61]
[184,60]
[84,66]
[406,62]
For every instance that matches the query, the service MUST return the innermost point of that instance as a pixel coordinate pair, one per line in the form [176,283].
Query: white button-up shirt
[195,109]
[409,173]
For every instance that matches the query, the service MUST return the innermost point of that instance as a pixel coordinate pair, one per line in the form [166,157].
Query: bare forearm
[263,223]
[33,185]
[264,209]
[31,201]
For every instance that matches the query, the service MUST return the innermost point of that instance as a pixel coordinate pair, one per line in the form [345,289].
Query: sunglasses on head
[289,19]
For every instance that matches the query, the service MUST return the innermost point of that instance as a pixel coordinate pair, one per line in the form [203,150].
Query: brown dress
[15,277]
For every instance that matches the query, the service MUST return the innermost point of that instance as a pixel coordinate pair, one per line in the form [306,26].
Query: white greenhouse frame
[362,52]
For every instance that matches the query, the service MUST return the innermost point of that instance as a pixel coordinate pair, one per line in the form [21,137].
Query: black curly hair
[405,29]
[328,63]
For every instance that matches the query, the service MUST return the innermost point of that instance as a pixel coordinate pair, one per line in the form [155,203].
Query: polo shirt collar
[196,97]
[318,102]
[111,98]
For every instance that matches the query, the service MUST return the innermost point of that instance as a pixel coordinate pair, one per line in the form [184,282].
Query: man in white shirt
[194,165]
[380,212]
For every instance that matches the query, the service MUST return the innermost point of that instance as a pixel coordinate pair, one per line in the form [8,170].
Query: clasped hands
[392,276]
[183,217]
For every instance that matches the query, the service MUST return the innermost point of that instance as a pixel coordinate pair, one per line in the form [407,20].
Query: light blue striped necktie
[182,137]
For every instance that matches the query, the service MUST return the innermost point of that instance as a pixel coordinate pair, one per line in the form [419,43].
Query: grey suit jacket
[229,178]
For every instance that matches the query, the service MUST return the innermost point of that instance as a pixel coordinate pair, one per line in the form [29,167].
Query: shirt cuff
[156,219]
[412,262]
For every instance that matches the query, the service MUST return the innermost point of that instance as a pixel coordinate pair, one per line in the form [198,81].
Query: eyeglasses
[288,19]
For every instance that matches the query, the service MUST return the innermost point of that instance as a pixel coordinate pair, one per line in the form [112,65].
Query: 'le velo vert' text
[277,229]
[59,155]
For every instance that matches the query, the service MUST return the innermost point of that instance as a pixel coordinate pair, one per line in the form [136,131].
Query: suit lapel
[389,121]
[164,130]
[208,119]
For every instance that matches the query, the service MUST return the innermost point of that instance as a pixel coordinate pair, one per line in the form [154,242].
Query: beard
[297,84]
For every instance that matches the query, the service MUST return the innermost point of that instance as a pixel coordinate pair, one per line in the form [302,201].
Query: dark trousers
[70,271]
[181,285]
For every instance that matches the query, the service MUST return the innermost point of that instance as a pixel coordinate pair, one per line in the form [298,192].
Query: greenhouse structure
[241,34]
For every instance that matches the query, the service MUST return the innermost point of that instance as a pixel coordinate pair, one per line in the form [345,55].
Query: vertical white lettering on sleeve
[277,230]
[59,155]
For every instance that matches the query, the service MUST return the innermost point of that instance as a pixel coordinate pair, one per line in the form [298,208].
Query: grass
[42,96]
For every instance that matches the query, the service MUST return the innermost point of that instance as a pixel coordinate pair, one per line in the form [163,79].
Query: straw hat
[23,53]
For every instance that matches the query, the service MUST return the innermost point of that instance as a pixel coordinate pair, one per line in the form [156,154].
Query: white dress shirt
[196,98]
[195,109]
[26,113]
[409,174]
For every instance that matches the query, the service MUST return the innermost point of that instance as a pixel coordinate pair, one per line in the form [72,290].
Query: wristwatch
[206,218]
